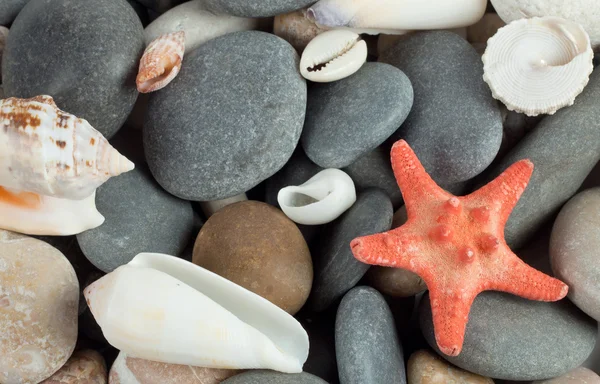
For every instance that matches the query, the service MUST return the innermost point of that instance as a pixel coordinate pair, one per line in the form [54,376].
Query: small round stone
[349,118]
[84,367]
[256,246]
[367,346]
[270,377]
[39,299]
[140,217]
[85,54]
[574,250]
[579,375]
[257,8]
[229,120]
[426,368]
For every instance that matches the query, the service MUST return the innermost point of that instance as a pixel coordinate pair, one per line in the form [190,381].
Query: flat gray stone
[85,54]
[140,217]
[271,377]
[512,338]
[9,9]
[574,249]
[336,269]
[455,126]
[230,119]
[367,346]
[348,118]
[564,149]
[257,8]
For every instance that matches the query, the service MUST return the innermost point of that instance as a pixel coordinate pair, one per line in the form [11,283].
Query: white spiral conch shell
[386,16]
[333,55]
[163,308]
[322,199]
[161,62]
[50,152]
[538,65]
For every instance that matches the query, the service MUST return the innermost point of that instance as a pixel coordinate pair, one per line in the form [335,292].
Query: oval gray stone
[455,125]
[230,119]
[270,377]
[9,9]
[85,54]
[574,250]
[336,269]
[140,217]
[511,338]
[367,347]
[256,8]
[348,118]
[564,148]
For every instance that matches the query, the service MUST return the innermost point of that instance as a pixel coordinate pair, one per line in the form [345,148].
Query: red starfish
[456,245]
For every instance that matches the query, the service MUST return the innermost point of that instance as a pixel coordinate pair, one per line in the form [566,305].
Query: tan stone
[39,299]
[128,370]
[579,375]
[84,367]
[426,368]
[296,29]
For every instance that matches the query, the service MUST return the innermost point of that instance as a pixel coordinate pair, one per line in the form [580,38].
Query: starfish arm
[395,248]
[524,281]
[414,182]
[505,189]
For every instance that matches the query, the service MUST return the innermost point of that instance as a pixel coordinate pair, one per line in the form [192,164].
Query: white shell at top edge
[387,15]
[538,65]
[333,55]
[166,309]
[322,199]
[50,152]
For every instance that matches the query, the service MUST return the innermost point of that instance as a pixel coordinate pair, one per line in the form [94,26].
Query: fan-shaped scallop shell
[161,62]
[538,65]
[50,152]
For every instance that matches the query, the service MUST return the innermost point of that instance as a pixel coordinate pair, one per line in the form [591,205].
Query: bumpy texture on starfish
[456,244]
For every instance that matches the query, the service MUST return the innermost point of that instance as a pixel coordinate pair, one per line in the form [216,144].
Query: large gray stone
[270,377]
[367,347]
[511,338]
[564,148]
[257,8]
[85,54]
[9,9]
[336,269]
[348,118]
[455,126]
[229,120]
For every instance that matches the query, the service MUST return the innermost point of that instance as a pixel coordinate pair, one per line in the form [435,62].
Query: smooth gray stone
[140,217]
[257,8]
[271,377]
[455,125]
[336,269]
[230,119]
[348,118]
[9,9]
[574,249]
[367,346]
[85,54]
[564,149]
[141,11]
[512,338]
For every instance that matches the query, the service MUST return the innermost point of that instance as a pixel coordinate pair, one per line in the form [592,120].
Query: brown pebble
[426,368]
[84,367]
[579,375]
[256,246]
[296,29]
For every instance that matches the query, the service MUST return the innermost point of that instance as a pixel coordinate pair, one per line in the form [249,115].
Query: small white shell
[538,65]
[50,152]
[33,214]
[165,309]
[322,199]
[333,55]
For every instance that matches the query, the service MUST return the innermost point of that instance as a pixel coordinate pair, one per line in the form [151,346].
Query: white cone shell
[50,152]
[333,191]
[165,309]
[339,49]
[53,217]
[539,65]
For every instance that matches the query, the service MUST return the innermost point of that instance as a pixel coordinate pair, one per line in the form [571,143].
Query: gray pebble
[230,119]
[367,347]
[336,269]
[140,217]
[455,126]
[271,377]
[85,54]
[348,118]
[257,8]
[512,338]
[9,9]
